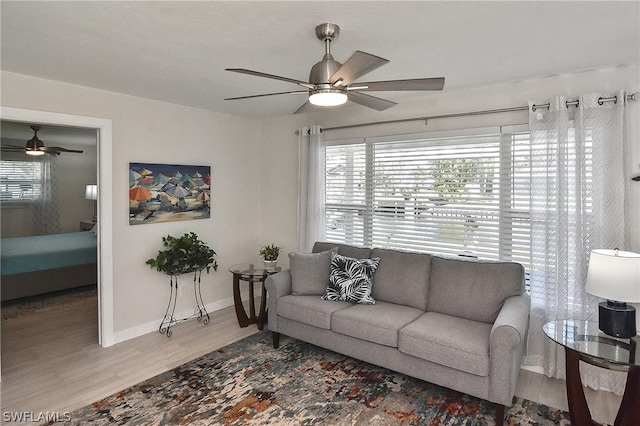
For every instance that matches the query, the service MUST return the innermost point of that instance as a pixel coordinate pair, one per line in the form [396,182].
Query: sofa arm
[507,341]
[277,285]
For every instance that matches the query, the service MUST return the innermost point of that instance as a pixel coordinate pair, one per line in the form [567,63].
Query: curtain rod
[631,97]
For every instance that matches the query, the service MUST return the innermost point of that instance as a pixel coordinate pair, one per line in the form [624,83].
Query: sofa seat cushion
[447,340]
[310,310]
[377,323]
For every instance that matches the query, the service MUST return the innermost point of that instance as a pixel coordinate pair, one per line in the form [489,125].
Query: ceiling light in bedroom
[34,145]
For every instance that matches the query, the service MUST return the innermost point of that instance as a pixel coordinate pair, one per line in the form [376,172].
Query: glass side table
[583,341]
[252,273]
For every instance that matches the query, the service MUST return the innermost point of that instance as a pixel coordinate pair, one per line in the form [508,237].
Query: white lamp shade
[91,192]
[614,275]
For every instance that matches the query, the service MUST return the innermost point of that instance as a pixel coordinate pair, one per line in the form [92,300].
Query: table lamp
[615,275]
[91,193]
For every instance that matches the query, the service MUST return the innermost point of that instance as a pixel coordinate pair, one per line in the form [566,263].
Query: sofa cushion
[309,310]
[351,279]
[343,249]
[447,340]
[310,272]
[402,277]
[472,289]
[377,323]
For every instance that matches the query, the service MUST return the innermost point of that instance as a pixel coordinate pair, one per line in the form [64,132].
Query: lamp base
[617,319]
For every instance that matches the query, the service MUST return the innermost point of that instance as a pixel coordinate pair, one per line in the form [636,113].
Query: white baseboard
[152,326]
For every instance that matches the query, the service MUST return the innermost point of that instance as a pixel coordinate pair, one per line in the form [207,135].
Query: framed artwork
[168,192]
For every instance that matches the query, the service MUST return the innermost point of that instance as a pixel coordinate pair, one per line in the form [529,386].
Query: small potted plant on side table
[184,255]
[270,255]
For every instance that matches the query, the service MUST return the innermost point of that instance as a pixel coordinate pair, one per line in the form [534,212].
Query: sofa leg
[276,341]
[499,414]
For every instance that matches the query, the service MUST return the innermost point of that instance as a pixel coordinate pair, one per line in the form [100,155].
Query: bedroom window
[20,181]
[451,195]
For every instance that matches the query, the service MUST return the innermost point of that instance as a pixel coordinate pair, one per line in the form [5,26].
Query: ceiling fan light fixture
[328,97]
[35,145]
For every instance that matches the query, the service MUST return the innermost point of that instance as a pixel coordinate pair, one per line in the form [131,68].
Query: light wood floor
[51,361]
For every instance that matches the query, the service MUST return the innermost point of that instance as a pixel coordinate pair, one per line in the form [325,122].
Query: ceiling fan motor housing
[323,70]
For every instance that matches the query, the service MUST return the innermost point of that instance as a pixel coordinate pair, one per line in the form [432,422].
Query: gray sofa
[458,323]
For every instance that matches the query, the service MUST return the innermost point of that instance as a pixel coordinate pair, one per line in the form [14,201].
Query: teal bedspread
[44,252]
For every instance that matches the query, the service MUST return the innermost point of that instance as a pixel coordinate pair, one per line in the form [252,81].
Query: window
[20,181]
[450,195]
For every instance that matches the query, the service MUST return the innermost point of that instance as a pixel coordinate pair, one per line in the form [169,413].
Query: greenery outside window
[464,194]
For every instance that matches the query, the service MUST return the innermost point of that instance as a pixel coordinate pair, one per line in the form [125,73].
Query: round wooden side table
[251,273]
[583,341]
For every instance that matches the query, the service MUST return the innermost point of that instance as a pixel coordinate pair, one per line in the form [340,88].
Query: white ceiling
[177,51]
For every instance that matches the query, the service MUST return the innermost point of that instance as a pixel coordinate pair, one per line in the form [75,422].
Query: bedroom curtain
[311,216]
[579,202]
[45,211]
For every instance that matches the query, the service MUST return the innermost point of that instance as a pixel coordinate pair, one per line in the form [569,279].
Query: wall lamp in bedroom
[91,193]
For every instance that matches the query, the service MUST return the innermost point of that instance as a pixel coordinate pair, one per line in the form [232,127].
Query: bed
[46,263]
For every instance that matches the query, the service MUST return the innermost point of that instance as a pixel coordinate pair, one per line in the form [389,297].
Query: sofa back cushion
[470,289]
[310,272]
[343,249]
[401,277]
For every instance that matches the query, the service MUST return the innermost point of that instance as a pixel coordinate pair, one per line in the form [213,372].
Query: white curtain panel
[311,215]
[45,212]
[579,202]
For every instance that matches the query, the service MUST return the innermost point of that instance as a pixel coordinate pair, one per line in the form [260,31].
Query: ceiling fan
[332,83]
[35,146]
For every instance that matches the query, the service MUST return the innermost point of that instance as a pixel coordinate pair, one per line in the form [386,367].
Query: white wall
[156,132]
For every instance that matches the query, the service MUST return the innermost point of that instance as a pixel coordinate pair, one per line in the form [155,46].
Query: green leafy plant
[184,254]
[270,252]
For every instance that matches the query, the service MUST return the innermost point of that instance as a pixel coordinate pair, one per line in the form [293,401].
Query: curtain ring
[533,108]
[600,101]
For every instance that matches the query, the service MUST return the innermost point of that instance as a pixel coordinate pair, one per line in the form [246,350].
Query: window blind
[20,181]
[455,195]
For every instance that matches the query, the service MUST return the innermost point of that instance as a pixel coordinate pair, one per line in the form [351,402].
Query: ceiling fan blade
[13,147]
[299,92]
[370,101]
[306,107]
[398,85]
[275,77]
[59,149]
[359,64]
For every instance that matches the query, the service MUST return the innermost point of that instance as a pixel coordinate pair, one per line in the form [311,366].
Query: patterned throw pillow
[351,279]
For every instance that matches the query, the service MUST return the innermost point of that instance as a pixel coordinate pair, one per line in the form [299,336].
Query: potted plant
[184,254]
[270,255]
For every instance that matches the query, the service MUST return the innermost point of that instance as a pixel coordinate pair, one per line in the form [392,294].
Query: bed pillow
[310,272]
[351,279]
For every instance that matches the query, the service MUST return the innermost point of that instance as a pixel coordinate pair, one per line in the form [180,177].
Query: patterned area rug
[28,305]
[249,382]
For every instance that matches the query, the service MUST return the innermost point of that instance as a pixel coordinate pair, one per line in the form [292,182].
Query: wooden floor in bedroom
[51,361]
